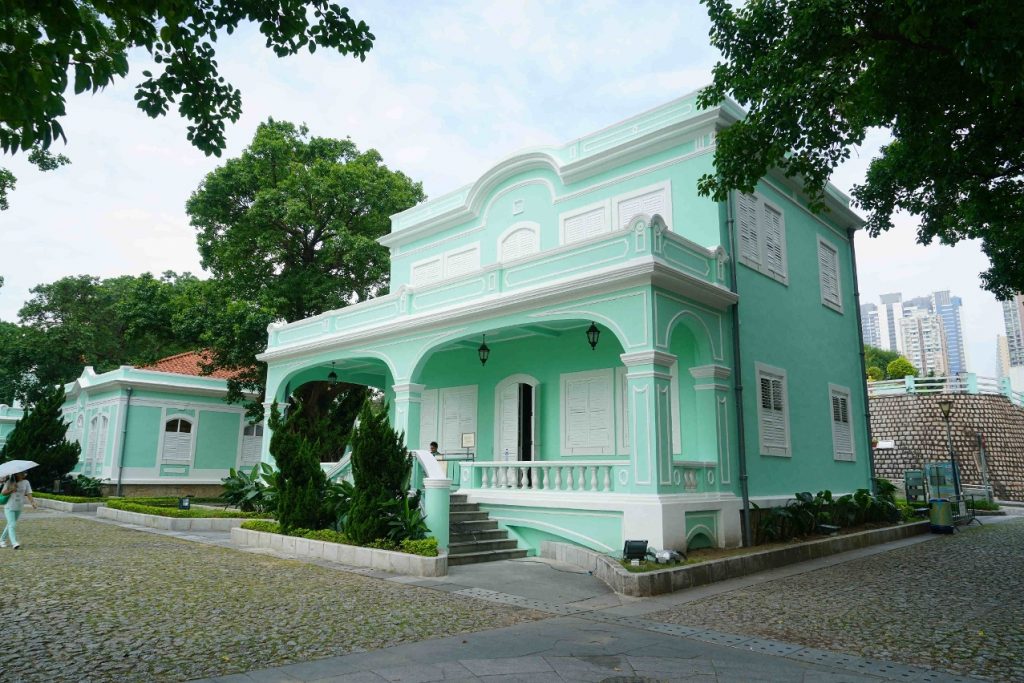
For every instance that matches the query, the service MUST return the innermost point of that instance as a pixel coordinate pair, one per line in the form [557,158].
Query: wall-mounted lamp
[484,352]
[592,335]
[332,376]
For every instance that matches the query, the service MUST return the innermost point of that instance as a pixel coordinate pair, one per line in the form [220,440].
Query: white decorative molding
[648,357]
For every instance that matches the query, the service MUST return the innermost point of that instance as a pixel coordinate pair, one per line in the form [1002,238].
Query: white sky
[448,89]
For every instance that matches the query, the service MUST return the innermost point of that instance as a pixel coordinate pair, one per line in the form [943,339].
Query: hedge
[426,547]
[165,510]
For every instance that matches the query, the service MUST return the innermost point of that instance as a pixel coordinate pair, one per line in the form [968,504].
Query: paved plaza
[100,602]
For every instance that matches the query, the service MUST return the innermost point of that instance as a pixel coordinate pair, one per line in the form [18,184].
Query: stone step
[468,516]
[472,526]
[485,556]
[465,548]
[458,498]
[464,507]
[480,535]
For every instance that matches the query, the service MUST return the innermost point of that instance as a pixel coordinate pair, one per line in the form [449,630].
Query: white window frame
[760,229]
[772,373]
[566,216]
[837,304]
[837,391]
[418,282]
[608,447]
[620,221]
[241,442]
[193,433]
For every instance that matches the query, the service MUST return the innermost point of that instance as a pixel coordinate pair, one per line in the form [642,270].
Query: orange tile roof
[189,363]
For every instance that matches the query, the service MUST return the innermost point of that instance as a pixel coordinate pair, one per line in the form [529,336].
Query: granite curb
[170,523]
[356,556]
[659,582]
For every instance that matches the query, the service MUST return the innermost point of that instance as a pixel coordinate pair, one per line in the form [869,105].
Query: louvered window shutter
[828,265]
[842,430]
[650,203]
[774,242]
[461,262]
[746,210]
[773,416]
[585,225]
[519,243]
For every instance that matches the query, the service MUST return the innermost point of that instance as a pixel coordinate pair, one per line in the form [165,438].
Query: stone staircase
[475,537]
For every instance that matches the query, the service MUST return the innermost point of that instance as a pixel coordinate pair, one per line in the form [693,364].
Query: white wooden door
[428,419]
[458,417]
[508,424]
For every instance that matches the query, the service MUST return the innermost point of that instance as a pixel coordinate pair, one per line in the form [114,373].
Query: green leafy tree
[40,437]
[49,43]
[875,373]
[944,76]
[83,320]
[381,469]
[300,480]
[900,368]
[289,230]
[879,358]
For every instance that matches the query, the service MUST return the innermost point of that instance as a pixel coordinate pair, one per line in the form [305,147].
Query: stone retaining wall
[915,423]
[646,584]
[173,489]
[170,523]
[356,556]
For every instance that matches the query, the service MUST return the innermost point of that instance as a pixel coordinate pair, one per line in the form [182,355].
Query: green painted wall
[217,440]
[789,328]
[144,429]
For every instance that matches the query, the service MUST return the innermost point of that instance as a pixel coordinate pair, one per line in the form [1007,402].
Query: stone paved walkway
[97,602]
[955,602]
[112,604]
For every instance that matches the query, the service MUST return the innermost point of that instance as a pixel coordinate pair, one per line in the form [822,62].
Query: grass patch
[68,499]
[426,547]
[168,507]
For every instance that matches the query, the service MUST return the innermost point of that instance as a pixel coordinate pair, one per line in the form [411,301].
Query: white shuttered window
[828,275]
[519,242]
[177,443]
[761,230]
[252,440]
[587,426]
[649,203]
[842,423]
[772,411]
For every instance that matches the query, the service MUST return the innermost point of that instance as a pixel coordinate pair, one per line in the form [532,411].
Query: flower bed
[56,501]
[357,556]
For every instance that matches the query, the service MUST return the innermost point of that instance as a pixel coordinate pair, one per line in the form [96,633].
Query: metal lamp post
[946,406]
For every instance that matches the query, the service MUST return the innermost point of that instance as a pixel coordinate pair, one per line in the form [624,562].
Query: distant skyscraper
[1002,357]
[1014,337]
[924,342]
[948,308]
[889,321]
[869,325]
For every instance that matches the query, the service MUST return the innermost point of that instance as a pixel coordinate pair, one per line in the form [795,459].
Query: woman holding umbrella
[18,488]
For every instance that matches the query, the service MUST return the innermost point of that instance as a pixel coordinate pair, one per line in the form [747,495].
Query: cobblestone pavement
[955,603]
[96,602]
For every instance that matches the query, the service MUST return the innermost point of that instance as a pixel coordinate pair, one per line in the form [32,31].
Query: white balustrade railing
[965,383]
[590,476]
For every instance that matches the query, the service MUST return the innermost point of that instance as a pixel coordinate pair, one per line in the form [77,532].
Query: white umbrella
[14,466]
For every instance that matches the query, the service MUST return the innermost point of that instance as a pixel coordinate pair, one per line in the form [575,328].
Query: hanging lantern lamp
[332,377]
[592,335]
[484,352]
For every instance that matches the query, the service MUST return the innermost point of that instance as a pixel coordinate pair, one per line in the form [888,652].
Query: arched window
[252,441]
[177,442]
[522,239]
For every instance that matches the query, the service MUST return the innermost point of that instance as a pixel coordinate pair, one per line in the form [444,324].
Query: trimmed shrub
[40,437]
[131,505]
[300,480]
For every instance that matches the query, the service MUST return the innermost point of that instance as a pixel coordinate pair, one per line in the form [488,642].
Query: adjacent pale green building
[646,348]
[160,430]
[9,416]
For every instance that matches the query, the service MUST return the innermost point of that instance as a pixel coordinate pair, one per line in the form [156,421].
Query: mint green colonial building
[157,432]
[728,340]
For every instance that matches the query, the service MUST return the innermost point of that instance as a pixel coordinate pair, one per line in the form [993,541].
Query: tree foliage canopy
[84,320]
[85,44]
[289,230]
[945,76]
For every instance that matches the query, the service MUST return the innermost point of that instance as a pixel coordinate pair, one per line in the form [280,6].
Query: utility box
[940,516]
